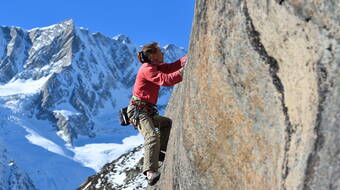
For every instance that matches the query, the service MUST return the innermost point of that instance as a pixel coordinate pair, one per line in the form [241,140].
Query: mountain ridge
[60,89]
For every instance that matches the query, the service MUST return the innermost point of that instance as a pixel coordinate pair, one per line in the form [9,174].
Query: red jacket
[150,77]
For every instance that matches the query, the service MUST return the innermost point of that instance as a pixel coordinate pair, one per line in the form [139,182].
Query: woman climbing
[142,111]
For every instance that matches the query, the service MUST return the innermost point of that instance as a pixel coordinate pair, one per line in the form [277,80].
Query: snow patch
[20,86]
[38,140]
[65,113]
[95,156]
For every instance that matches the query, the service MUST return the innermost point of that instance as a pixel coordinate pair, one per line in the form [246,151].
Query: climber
[142,110]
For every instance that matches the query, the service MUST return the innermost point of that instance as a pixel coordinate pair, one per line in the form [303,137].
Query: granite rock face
[259,104]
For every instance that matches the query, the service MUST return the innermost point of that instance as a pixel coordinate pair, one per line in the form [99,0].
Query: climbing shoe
[153,180]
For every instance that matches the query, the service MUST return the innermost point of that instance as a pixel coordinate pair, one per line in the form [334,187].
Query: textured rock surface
[259,104]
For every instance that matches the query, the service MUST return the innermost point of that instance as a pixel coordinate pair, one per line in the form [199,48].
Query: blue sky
[163,21]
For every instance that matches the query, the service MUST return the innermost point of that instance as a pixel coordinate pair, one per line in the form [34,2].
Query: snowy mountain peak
[60,89]
[72,67]
[68,23]
[122,38]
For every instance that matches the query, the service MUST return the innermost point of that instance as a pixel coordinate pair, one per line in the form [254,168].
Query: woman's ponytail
[141,57]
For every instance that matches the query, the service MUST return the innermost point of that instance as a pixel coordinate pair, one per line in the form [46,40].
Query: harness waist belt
[137,101]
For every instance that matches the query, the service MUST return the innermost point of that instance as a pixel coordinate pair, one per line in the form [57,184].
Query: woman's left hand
[183,60]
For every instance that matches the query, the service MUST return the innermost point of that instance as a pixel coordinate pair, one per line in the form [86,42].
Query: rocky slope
[259,104]
[124,173]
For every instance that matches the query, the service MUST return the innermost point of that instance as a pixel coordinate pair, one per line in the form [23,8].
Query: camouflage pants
[154,140]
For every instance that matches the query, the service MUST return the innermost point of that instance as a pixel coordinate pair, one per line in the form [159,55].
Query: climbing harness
[150,109]
[140,106]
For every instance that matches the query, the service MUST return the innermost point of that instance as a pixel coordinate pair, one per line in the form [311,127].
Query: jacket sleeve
[160,78]
[171,67]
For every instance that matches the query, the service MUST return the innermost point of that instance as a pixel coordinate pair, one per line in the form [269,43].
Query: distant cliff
[259,104]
